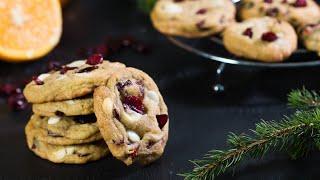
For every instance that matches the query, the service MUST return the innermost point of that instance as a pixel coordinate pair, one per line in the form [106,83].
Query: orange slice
[29,29]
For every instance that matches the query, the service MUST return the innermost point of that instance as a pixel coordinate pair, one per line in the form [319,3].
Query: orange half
[29,29]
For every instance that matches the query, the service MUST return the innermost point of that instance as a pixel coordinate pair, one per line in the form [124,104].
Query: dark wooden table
[200,120]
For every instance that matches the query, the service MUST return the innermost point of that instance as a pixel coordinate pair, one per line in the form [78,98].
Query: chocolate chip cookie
[71,154]
[132,117]
[192,19]
[263,39]
[64,130]
[73,80]
[310,36]
[297,12]
[72,107]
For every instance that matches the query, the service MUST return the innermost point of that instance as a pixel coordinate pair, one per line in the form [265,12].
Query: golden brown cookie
[192,19]
[132,117]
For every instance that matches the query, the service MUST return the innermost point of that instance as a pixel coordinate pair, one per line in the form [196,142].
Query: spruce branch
[296,134]
[304,99]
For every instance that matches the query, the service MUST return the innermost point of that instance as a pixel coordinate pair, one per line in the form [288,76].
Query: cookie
[71,154]
[310,36]
[263,39]
[132,117]
[297,12]
[73,80]
[192,19]
[63,131]
[73,107]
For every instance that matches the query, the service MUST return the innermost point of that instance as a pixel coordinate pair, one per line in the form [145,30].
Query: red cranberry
[17,102]
[37,80]
[248,32]
[162,120]
[201,11]
[269,36]
[65,69]
[268,1]
[54,66]
[134,103]
[201,26]
[7,89]
[273,12]
[121,85]
[178,1]
[95,59]
[300,3]
[102,49]
[116,114]
[127,41]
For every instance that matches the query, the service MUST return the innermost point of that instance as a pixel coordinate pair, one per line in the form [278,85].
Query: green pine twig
[303,99]
[146,6]
[297,135]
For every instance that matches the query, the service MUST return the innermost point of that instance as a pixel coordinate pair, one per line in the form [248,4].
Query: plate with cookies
[263,33]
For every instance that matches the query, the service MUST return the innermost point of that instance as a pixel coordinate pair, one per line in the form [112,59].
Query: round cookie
[297,12]
[65,108]
[264,39]
[310,36]
[64,132]
[132,117]
[73,80]
[72,154]
[192,19]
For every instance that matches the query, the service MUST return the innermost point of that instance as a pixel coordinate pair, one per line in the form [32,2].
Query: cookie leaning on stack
[63,128]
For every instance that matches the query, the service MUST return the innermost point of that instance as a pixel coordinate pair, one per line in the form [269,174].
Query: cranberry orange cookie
[132,117]
[65,108]
[73,80]
[71,154]
[64,130]
[310,36]
[297,12]
[191,19]
[264,39]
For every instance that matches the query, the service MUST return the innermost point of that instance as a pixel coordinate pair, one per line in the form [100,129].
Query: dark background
[200,120]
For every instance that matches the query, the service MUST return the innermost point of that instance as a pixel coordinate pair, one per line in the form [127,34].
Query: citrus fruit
[29,29]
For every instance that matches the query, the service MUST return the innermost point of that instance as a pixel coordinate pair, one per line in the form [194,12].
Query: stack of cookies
[84,107]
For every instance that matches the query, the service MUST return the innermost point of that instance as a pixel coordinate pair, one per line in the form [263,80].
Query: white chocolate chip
[53,120]
[42,77]
[153,96]
[76,63]
[131,116]
[70,102]
[107,105]
[60,154]
[133,136]
[172,8]
[69,150]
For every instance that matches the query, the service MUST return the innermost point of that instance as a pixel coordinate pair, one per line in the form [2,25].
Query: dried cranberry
[248,32]
[17,102]
[7,89]
[127,41]
[201,11]
[284,1]
[201,27]
[65,69]
[141,48]
[269,36]
[87,69]
[116,114]
[272,12]
[59,113]
[37,80]
[134,103]
[300,3]
[150,144]
[178,1]
[162,120]
[53,134]
[95,59]
[54,66]
[121,85]
[102,49]
[268,1]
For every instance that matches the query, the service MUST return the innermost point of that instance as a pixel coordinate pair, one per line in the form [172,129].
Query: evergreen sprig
[296,135]
[304,99]
[146,5]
